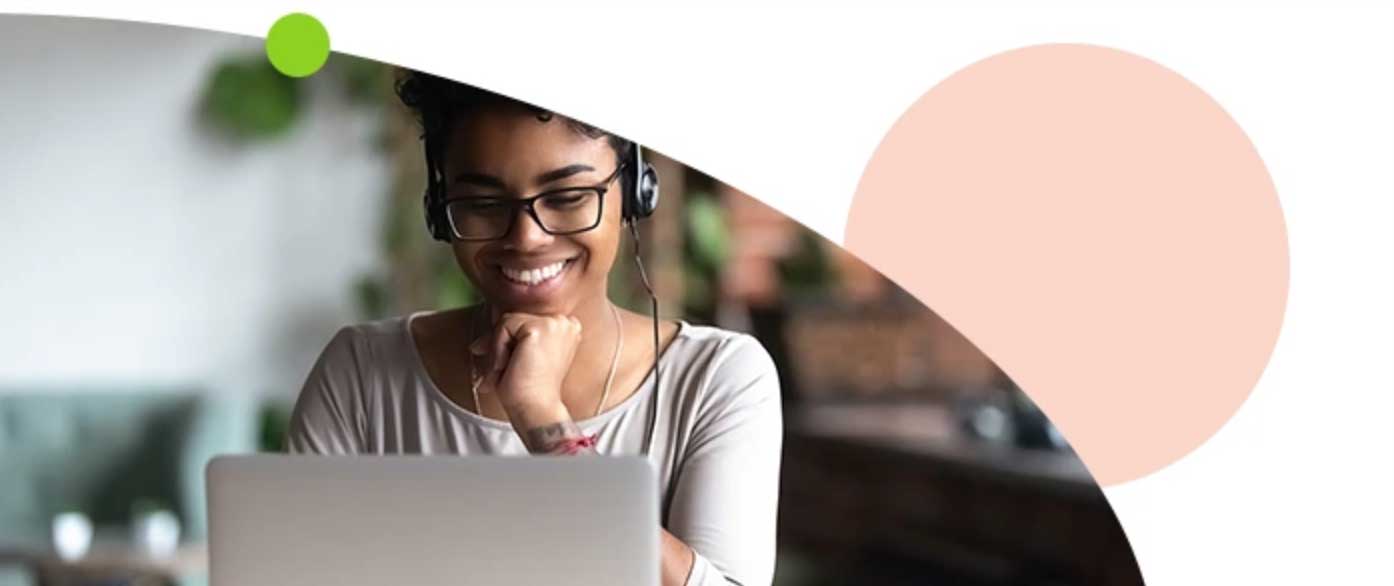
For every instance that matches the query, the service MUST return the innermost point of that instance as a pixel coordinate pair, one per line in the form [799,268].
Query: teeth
[533,276]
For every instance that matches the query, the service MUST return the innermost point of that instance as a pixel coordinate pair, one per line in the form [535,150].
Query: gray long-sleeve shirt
[716,445]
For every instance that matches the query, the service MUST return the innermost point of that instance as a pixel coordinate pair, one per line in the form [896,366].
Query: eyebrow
[542,179]
[562,173]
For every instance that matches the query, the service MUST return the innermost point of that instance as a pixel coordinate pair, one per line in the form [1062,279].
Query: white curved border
[787,102]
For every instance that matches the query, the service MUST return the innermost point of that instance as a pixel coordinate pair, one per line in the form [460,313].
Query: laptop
[373,520]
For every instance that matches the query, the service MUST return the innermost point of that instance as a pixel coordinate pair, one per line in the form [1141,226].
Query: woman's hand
[524,360]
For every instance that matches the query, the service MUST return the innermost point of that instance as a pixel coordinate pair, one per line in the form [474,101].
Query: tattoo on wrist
[558,438]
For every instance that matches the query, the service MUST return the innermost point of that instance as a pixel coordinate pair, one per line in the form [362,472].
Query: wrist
[527,415]
[563,437]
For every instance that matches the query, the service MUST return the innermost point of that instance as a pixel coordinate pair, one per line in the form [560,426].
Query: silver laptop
[373,520]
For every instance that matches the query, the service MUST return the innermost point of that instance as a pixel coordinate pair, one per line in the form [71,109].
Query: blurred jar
[986,414]
[72,535]
[1007,416]
[156,533]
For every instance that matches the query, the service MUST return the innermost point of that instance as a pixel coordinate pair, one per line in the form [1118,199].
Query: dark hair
[439,103]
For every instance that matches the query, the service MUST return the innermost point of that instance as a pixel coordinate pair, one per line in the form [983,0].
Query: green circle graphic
[297,45]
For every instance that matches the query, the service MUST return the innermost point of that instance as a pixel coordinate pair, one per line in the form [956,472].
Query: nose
[527,233]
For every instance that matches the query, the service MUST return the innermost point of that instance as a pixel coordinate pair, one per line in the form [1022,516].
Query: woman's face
[508,152]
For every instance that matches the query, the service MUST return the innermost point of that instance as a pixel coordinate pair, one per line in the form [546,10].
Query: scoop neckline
[419,365]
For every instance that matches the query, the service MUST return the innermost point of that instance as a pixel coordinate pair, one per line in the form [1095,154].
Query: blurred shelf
[928,433]
[109,561]
[863,484]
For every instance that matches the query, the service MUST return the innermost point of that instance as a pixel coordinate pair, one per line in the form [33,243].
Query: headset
[639,199]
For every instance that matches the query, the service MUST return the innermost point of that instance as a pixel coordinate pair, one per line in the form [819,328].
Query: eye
[565,200]
[479,205]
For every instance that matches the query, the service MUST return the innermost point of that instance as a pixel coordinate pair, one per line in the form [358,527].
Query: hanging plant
[247,98]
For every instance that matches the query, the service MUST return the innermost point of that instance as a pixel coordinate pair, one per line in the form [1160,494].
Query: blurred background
[184,229]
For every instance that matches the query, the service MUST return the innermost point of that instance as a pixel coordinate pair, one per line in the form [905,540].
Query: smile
[535,276]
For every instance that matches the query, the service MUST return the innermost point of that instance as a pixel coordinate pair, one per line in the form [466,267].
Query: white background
[787,102]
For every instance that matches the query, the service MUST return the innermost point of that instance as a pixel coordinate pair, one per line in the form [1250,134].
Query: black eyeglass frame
[530,203]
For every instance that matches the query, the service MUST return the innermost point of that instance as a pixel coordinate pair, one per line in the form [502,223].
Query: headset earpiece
[642,198]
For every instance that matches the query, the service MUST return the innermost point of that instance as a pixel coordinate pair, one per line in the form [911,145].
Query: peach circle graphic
[1100,228]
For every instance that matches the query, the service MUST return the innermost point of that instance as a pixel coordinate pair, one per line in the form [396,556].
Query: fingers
[514,329]
[503,343]
[521,325]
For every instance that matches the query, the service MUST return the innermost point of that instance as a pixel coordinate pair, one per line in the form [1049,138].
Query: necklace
[476,380]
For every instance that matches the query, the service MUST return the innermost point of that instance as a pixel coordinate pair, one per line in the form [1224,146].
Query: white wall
[138,247]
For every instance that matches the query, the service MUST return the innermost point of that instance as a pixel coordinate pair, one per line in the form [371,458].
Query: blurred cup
[72,535]
[156,533]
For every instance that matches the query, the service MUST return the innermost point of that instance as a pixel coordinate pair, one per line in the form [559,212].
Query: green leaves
[247,98]
[371,294]
[706,229]
[454,289]
[706,248]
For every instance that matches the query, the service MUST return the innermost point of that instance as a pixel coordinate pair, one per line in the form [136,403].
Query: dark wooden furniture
[110,563]
[894,494]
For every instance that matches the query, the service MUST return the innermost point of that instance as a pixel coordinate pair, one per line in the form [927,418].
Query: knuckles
[527,326]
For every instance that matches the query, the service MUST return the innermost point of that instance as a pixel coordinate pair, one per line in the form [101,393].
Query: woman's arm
[546,430]
[725,500]
[721,523]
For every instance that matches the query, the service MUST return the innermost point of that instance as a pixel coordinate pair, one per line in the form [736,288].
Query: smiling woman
[533,205]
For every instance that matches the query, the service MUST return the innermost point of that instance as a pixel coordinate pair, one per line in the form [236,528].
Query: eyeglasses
[560,212]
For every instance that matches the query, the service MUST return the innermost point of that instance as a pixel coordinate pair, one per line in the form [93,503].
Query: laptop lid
[373,520]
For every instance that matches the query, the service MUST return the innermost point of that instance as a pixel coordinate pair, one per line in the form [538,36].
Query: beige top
[716,445]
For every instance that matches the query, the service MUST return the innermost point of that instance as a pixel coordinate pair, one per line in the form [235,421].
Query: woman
[532,205]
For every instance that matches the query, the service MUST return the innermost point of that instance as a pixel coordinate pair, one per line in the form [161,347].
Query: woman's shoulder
[375,342]
[724,359]
[726,378]
[714,342]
